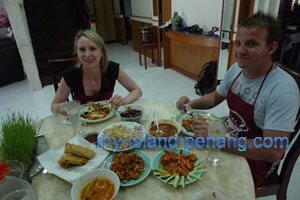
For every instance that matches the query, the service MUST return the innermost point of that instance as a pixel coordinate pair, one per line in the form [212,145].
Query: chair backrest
[57,67]
[294,150]
[290,161]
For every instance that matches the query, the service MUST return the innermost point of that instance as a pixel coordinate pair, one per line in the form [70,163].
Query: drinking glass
[12,188]
[73,110]
[213,157]
[213,153]
[16,168]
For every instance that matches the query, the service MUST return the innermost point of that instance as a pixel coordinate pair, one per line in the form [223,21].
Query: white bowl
[204,194]
[166,121]
[84,179]
[122,109]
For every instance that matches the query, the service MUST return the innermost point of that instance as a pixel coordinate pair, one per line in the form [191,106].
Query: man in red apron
[263,99]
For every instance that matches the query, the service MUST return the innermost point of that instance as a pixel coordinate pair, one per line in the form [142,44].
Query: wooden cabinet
[187,53]
[105,18]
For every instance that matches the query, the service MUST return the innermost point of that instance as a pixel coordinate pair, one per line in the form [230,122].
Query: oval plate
[157,164]
[184,115]
[104,134]
[146,172]
[85,107]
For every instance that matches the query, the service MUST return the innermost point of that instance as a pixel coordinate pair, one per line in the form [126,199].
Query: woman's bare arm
[134,91]
[60,98]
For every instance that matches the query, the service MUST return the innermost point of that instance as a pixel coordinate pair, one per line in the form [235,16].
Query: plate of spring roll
[177,167]
[76,157]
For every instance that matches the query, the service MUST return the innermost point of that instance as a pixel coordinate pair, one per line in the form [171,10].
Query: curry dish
[165,130]
[100,188]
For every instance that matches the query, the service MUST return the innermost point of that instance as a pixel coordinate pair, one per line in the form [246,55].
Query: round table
[232,178]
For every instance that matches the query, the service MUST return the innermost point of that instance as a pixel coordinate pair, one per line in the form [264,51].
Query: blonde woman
[94,78]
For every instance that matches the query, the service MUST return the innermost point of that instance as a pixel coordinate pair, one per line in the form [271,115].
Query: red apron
[241,124]
[97,97]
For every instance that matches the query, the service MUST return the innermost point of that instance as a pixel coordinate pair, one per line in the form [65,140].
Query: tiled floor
[156,83]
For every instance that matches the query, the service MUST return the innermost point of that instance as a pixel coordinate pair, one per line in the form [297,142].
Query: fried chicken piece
[127,166]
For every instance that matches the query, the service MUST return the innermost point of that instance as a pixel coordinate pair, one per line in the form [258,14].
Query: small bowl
[164,121]
[122,110]
[84,179]
[91,137]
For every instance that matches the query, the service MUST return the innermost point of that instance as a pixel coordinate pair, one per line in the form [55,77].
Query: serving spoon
[156,124]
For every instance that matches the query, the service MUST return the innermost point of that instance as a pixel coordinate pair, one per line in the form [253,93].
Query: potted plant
[17,138]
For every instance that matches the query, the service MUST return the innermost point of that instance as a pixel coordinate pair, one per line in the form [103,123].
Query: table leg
[140,56]
[145,56]
[152,55]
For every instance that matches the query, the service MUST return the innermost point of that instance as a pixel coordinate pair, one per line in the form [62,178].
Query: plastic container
[12,188]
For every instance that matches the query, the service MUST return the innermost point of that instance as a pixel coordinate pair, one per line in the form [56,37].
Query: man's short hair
[263,20]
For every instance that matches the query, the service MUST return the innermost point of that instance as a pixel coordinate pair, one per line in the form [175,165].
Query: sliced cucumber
[176,180]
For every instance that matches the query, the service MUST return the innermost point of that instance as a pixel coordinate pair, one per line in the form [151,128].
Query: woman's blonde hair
[94,37]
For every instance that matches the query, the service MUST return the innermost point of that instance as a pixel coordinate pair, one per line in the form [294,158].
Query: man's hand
[200,128]
[181,101]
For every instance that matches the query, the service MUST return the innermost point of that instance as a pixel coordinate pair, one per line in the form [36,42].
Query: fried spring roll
[74,160]
[63,163]
[79,150]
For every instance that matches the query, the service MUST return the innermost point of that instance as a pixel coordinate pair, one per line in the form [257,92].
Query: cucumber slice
[176,180]
[170,178]
[182,181]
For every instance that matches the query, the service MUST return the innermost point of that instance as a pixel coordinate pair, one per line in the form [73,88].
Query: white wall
[142,8]
[16,14]
[205,13]
[2,4]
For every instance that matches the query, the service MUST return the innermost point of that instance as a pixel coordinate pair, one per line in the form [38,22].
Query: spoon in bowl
[158,131]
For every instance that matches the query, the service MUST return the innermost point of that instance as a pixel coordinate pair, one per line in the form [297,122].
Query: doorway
[225,34]
[125,7]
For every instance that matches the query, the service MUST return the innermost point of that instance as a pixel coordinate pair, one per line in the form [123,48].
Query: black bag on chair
[207,79]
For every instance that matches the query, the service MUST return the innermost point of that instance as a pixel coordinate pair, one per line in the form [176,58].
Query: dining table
[232,177]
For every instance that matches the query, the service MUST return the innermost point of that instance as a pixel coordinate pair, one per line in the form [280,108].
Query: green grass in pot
[18,138]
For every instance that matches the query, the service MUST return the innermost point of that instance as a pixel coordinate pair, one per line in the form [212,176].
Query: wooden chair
[277,183]
[57,67]
[144,47]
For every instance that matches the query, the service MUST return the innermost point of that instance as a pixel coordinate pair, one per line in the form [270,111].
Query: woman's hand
[200,128]
[62,109]
[181,101]
[117,100]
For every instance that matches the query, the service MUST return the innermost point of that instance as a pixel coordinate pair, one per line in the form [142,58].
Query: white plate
[209,195]
[49,161]
[198,112]
[104,136]
[85,107]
